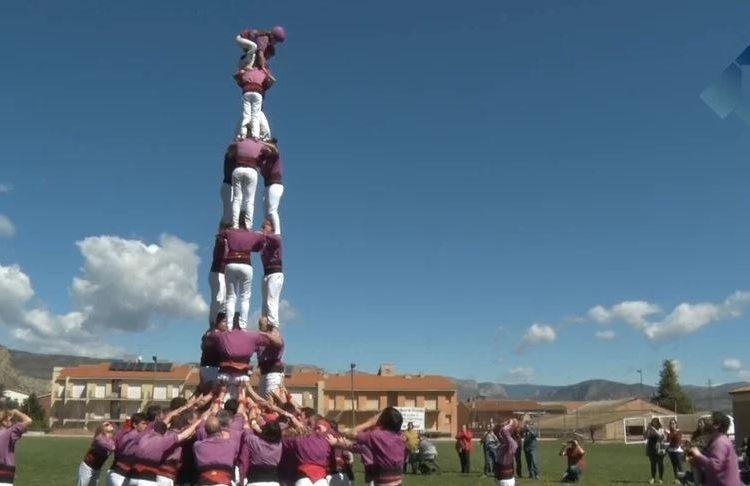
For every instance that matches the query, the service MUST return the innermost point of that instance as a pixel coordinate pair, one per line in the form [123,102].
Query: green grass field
[53,461]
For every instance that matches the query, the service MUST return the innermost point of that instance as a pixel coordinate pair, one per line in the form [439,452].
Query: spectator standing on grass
[718,462]
[531,450]
[411,439]
[699,439]
[674,449]
[464,446]
[655,449]
[10,433]
[490,443]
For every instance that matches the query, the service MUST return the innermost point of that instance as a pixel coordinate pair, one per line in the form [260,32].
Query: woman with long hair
[102,445]
[674,448]
[655,449]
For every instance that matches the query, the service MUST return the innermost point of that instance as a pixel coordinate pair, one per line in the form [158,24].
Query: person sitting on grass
[574,453]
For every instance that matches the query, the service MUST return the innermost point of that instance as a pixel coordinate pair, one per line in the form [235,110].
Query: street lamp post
[640,389]
[352,366]
[153,381]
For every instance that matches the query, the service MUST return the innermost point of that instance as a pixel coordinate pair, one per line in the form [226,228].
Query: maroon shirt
[387,449]
[269,358]
[255,451]
[239,346]
[312,449]
[99,451]
[271,255]
[125,440]
[8,439]
[265,43]
[236,245]
[272,171]
[247,153]
[209,353]
[152,447]
[253,80]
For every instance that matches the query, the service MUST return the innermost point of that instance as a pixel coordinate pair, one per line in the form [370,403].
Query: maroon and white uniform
[99,450]
[259,460]
[235,348]
[8,439]
[273,278]
[272,172]
[125,442]
[155,459]
[235,246]
[217,282]
[254,83]
[313,453]
[226,187]
[214,458]
[245,160]
[271,366]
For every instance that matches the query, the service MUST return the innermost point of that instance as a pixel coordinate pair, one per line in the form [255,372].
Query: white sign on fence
[414,415]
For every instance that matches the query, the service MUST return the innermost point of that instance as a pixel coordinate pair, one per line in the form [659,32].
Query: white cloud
[521,374]
[605,335]
[677,365]
[7,228]
[684,319]
[40,329]
[634,313]
[125,285]
[538,334]
[688,318]
[5,188]
[732,364]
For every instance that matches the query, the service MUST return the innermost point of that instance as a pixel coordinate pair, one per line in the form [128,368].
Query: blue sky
[453,176]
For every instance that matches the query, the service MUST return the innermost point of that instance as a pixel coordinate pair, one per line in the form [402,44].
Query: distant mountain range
[716,398]
[31,372]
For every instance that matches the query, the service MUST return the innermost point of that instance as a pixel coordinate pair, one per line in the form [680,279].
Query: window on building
[410,402]
[134,392]
[298,398]
[78,391]
[373,404]
[447,419]
[348,404]
[175,391]
[430,403]
[331,404]
[100,391]
[160,392]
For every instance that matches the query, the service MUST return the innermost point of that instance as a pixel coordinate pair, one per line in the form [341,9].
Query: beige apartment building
[85,396]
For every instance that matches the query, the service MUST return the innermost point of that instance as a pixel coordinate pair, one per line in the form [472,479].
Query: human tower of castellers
[227,433]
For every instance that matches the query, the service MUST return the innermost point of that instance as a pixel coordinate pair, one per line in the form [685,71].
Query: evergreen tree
[33,409]
[669,393]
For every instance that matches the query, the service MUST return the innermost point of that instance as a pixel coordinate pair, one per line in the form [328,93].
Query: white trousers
[234,385]
[226,203]
[265,128]
[264,483]
[308,482]
[141,482]
[239,279]
[116,479]
[252,103]
[218,295]
[506,482]
[271,291]
[250,48]
[270,382]
[244,182]
[273,199]
[86,475]
[164,481]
